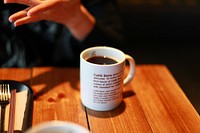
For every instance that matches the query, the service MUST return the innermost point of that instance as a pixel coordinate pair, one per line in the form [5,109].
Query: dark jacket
[50,44]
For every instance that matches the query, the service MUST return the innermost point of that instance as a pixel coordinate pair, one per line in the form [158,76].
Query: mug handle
[131,73]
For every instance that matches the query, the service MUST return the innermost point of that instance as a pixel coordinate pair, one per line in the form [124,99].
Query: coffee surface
[101,60]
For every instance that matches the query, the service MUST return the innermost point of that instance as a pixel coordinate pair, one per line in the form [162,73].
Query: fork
[4,100]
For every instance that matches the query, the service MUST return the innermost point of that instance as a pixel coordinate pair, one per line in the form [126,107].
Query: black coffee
[101,60]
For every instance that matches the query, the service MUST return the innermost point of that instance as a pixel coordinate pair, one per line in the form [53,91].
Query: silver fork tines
[4,92]
[4,100]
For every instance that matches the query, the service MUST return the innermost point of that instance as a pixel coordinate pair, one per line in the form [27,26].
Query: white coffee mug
[102,77]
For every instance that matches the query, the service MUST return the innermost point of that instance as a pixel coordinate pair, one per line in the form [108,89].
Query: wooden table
[153,101]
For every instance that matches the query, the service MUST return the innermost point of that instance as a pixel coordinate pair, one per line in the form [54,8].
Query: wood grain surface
[153,101]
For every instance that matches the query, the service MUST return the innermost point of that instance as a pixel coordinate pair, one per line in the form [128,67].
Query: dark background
[166,32]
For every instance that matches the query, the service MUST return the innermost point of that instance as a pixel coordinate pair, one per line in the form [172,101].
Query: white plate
[57,127]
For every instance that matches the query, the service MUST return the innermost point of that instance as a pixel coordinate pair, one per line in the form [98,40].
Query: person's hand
[70,13]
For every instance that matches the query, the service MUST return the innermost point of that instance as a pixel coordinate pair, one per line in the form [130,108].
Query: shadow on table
[49,77]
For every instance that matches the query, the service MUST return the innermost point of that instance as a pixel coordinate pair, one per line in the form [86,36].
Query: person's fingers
[21,18]
[26,20]
[18,15]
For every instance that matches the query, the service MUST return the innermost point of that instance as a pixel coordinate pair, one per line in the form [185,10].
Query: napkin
[20,106]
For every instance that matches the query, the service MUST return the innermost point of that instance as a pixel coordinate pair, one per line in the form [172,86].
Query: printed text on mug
[106,87]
